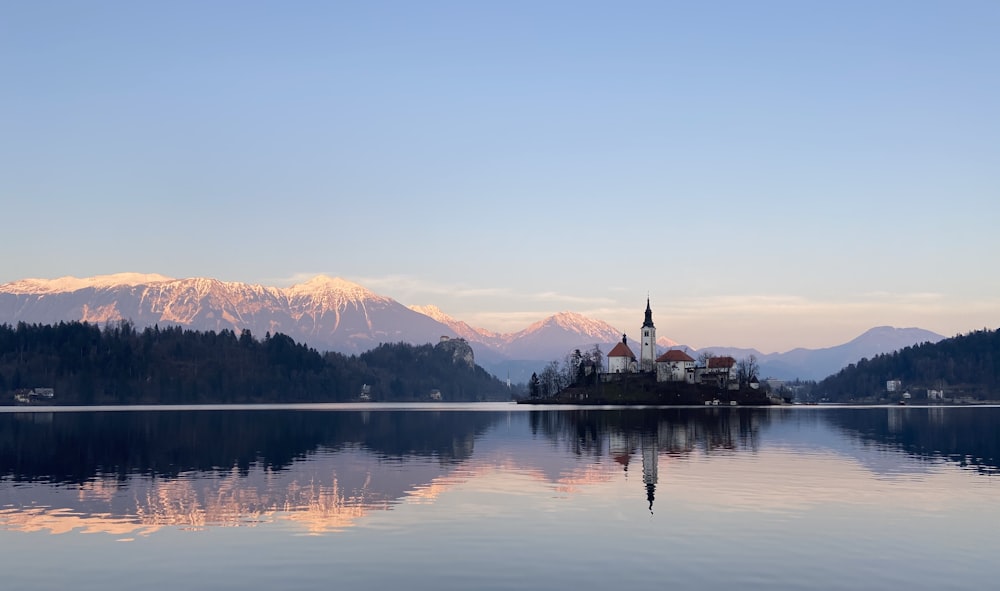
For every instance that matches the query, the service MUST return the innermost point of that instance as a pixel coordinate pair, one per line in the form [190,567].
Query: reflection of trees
[967,436]
[650,432]
[77,447]
[676,431]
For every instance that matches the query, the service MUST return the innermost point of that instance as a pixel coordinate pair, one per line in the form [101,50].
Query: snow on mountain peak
[462,329]
[666,342]
[71,284]
[324,287]
[434,312]
[575,322]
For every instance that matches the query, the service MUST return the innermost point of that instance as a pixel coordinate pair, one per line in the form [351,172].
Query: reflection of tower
[649,468]
[648,354]
[621,449]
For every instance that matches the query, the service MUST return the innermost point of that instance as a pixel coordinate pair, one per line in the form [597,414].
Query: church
[674,365]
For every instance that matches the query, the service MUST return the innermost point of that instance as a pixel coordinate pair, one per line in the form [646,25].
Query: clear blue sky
[771,174]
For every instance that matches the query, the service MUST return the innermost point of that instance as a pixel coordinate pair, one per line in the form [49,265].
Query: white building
[621,359]
[675,366]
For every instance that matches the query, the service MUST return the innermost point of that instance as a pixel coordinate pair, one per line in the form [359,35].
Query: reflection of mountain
[133,472]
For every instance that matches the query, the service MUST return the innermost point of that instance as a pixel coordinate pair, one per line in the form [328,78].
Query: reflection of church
[650,472]
[623,446]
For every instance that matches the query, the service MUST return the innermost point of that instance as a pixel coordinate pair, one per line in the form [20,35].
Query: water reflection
[967,436]
[133,473]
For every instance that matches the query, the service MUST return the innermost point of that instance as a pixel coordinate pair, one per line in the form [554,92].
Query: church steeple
[647,355]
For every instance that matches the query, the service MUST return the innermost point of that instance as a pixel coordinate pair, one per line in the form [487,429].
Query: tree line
[117,364]
[966,366]
[577,369]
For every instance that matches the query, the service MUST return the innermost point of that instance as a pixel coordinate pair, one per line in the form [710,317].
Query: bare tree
[551,379]
[747,370]
[596,357]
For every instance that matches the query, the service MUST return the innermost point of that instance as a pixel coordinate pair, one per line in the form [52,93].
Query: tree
[747,369]
[534,386]
[596,357]
[551,379]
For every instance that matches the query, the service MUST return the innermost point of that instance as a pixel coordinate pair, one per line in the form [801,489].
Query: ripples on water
[494,497]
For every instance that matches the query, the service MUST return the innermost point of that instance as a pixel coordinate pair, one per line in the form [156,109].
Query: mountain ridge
[335,314]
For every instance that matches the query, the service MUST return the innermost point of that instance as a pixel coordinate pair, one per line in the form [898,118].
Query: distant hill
[962,366]
[815,364]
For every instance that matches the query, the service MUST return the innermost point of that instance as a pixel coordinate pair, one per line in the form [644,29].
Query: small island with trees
[673,378]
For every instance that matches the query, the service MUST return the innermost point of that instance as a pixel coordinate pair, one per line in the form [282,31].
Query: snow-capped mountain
[327,313]
[332,314]
[461,328]
[666,343]
[548,339]
[559,334]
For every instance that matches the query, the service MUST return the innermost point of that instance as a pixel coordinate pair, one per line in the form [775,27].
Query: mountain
[518,354]
[558,335]
[962,367]
[665,343]
[332,314]
[461,328]
[327,313]
[815,364]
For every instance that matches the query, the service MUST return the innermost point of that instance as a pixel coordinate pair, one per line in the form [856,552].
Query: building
[675,366]
[621,359]
[720,370]
[647,353]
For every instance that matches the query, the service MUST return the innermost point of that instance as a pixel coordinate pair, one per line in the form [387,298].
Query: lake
[498,496]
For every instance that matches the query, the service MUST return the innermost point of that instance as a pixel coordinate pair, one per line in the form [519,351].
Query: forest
[82,363]
[965,367]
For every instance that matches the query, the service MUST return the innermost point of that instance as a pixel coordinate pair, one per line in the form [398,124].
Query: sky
[770,174]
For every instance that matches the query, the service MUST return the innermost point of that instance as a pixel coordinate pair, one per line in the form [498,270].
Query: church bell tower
[647,356]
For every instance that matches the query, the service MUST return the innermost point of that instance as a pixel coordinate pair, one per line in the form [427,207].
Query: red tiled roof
[674,355]
[721,362]
[621,350]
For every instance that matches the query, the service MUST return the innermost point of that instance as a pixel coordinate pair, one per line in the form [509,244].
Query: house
[675,366]
[621,359]
[721,370]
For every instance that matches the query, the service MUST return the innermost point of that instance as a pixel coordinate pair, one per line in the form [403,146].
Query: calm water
[500,497]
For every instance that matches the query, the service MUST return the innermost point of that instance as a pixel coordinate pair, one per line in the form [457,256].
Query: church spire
[649,315]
